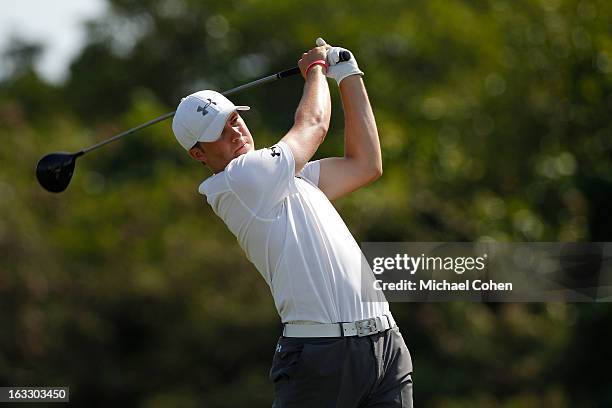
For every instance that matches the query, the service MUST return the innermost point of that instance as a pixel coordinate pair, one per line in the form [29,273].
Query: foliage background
[494,119]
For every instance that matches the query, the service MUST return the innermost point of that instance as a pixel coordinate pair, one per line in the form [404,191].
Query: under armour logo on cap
[203,108]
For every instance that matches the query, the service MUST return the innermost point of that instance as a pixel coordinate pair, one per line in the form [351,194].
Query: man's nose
[236,135]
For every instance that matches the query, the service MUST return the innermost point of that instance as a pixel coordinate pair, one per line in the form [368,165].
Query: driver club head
[55,170]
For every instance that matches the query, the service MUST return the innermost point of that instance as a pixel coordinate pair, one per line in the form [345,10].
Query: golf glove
[339,70]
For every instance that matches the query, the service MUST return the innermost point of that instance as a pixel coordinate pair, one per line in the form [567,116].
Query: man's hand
[339,70]
[315,54]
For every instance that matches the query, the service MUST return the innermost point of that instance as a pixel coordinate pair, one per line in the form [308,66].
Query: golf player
[340,345]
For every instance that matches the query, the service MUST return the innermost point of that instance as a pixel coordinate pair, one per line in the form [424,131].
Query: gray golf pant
[342,372]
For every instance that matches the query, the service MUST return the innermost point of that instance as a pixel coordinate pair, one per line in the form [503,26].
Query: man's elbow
[376,172]
[373,172]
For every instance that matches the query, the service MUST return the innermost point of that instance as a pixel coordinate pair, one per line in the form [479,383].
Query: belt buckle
[366,327]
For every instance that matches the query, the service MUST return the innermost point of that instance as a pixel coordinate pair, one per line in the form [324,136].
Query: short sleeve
[311,171]
[263,178]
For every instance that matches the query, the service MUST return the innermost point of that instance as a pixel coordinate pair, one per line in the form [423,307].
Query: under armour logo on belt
[274,152]
[203,108]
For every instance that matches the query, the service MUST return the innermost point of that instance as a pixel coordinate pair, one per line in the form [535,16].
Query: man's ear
[197,153]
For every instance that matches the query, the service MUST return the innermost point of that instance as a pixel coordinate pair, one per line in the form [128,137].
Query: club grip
[288,72]
[344,56]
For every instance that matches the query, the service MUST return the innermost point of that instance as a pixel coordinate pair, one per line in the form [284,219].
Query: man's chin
[243,150]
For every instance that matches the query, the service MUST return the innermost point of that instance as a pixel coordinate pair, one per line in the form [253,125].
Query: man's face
[235,140]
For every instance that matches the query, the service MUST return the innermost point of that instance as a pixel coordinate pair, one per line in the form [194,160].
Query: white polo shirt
[294,236]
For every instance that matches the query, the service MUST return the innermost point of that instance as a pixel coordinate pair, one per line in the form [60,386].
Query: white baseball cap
[201,116]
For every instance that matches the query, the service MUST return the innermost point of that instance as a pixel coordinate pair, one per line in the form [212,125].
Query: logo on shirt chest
[274,152]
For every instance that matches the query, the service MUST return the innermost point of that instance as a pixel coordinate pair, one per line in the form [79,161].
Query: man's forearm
[314,108]
[313,112]
[361,141]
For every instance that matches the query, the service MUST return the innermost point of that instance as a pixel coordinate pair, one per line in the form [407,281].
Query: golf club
[54,171]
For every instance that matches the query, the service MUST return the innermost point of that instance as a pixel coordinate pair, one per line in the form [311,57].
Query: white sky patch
[57,25]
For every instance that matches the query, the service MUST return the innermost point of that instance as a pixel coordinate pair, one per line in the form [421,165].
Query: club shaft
[127,132]
[260,81]
[264,80]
